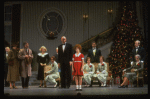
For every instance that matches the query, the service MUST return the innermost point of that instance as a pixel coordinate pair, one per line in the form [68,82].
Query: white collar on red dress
[77,55]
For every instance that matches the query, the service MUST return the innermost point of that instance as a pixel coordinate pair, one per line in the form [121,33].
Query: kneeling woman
[102,71]
[88,70]
[53,73]
[131,76]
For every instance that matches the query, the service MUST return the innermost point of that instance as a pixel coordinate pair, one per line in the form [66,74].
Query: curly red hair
[78,46]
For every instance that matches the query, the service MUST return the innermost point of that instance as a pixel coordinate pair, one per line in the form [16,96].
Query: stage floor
[95,90]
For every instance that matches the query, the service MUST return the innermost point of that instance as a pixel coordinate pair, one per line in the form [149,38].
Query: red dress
[77,63]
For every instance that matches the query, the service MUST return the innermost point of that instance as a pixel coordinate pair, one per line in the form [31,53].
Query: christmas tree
[127,33]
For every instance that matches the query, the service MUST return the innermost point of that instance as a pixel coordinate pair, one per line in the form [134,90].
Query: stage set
[109,33]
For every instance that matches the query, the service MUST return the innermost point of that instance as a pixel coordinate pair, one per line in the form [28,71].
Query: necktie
[136,50]
[94,52]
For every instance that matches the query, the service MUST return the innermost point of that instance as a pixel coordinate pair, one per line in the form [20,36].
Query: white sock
[77,87]
[80,87]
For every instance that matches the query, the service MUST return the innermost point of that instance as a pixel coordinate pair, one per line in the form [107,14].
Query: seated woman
[102,71]
[88,70]
[131,75]
[53,73]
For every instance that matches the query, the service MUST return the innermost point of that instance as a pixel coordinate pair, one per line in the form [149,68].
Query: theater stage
[86,91]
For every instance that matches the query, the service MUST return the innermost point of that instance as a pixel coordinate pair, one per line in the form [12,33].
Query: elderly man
[64,62]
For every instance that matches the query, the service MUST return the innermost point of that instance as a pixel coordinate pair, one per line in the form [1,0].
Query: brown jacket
[25,68]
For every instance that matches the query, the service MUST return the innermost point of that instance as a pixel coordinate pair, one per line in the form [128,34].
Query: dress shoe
[67,87]
[121,86]
[41,85]
[15,87]
[80,89]
[77,89]
[55,85]
[11,87]
[90,86]
[135,85]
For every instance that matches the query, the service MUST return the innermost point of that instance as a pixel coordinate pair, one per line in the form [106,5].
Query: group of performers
[62,62]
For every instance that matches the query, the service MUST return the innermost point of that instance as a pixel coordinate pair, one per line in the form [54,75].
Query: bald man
[65,62]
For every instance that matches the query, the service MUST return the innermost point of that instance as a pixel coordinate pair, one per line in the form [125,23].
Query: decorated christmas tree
[127,33]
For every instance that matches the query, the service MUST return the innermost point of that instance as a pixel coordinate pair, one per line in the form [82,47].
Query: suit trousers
[25,81]
[65,75]
[51,78]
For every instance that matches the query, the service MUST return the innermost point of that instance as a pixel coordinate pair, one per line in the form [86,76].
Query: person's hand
[44,64]
[58,65]
[81,69]
[70,63]
[41,64]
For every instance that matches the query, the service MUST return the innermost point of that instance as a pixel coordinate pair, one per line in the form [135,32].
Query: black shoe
[121,86]
[126,86]
[77,89]
[67,87]
[90,86]
[135,85]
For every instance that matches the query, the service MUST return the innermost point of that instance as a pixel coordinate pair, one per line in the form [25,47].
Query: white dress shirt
[63,47]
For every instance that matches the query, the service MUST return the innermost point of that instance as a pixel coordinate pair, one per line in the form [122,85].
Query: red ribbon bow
[90,66]
[102,64]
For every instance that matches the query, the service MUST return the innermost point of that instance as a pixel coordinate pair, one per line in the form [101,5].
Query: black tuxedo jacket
[96,57]
[66,56]
[141,52]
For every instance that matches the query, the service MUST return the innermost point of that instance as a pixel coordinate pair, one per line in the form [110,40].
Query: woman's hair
[88,58]
[102,57]
[43,47]
[78,46]
[53,57]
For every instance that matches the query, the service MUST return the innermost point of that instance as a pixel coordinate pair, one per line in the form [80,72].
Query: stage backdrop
[76,28]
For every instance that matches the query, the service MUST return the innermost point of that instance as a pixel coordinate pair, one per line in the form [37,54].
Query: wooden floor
[86,91]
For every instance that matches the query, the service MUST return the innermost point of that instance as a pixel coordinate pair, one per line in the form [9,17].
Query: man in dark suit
[94,54]
[141,51]
[64,62]
[138,50]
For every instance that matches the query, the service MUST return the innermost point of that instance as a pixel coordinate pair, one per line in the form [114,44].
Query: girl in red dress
[77,68]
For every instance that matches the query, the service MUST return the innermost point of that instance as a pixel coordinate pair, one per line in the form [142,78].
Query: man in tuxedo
[64,62]
[94,54]
[138,50]
[141,51]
